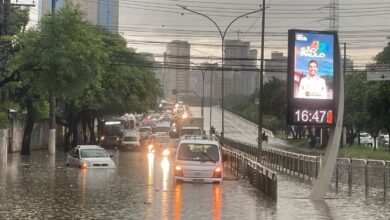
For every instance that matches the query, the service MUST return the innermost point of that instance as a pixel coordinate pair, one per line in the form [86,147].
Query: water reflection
[177,197]
[149,187]
[322,208]
[165,169]
[217,201]
[83,185]
[165,200]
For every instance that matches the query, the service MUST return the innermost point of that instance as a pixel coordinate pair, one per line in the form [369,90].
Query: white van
[199,160]
[131,140]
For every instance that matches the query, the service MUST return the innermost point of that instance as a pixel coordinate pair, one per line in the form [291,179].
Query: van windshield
[198,152]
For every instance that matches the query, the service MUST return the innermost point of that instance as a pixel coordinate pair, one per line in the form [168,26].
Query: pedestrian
[212,130]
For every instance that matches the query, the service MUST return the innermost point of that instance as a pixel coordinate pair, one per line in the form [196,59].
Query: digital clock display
[311,116]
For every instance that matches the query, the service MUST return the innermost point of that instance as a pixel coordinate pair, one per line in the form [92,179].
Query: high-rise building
[275,67]
[157,67]
[176,68]
[104,13]
[241,61]
[109,15]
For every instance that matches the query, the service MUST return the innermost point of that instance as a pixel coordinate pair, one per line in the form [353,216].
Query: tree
[65,56]
[355,116]
[382,101]
[19,19]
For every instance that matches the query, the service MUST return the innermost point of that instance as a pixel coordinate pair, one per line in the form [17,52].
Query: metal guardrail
[349,171]
[259,176]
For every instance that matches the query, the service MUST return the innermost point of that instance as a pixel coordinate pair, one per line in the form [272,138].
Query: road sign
[378,72]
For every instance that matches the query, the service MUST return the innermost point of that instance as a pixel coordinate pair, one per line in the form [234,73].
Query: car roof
[197,139]
[83,147]
[165,125]
[198,128]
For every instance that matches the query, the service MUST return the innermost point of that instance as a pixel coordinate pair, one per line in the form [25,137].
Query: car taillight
[217,172]
[178,171]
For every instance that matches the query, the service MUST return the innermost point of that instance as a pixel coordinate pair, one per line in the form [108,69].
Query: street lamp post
[203,71]
[222,35]
[261,102]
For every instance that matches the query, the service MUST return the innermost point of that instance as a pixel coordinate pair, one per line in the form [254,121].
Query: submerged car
[89,156]
[199,160]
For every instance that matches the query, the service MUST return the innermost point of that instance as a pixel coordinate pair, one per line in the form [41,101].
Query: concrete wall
[39,136]
[3,147]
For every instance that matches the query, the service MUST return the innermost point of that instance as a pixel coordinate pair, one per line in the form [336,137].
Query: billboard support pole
[322,183]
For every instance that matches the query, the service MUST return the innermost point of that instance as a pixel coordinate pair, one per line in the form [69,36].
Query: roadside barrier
[259,176]
[350,172]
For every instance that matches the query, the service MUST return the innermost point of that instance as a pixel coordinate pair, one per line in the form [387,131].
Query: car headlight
[165,152]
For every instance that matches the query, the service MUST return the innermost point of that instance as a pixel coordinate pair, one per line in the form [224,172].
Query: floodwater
[141,187]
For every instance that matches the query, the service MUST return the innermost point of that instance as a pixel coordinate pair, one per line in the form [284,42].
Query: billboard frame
[311,111]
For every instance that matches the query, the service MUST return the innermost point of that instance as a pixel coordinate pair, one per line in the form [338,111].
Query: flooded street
[141,187]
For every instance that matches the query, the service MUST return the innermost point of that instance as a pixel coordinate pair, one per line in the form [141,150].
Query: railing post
[366,176]
[384,179]
[350,175]
[337,175]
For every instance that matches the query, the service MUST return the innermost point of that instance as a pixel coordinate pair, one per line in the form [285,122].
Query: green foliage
[384,55]
[19,19]
[364,152]
[3,120]
[274,112]
[355,101]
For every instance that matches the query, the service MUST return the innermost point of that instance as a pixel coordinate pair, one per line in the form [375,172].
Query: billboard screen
[311,76]
[313,66]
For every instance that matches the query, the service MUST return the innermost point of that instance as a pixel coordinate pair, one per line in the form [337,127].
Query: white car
[384,139]
[89,156]
[199,160]
[366,139]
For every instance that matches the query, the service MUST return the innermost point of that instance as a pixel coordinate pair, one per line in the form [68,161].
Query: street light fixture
[222,35]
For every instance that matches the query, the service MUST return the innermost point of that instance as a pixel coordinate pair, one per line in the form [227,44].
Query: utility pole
[211,92]
[52,126]
[261,102]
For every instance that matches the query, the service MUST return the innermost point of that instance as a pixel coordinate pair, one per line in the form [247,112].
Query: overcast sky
[149,25]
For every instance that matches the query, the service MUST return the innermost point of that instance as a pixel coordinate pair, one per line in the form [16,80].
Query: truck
[194,125]
[110,134]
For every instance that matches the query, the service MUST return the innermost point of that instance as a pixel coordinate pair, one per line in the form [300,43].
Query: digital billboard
[312,68]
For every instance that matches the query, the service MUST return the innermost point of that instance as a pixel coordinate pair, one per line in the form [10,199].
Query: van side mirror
[111,155]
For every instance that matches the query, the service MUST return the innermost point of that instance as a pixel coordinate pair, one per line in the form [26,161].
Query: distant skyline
[149,26]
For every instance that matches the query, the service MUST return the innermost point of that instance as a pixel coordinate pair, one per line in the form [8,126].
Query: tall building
[109,14]
[157,67]
[241,61]
[104,13]
[275,67]
[176,68]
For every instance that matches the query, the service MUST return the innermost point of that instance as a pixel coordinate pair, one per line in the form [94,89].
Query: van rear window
[198,152]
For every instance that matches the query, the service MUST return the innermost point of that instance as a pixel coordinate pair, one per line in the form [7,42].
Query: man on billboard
[312,86]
